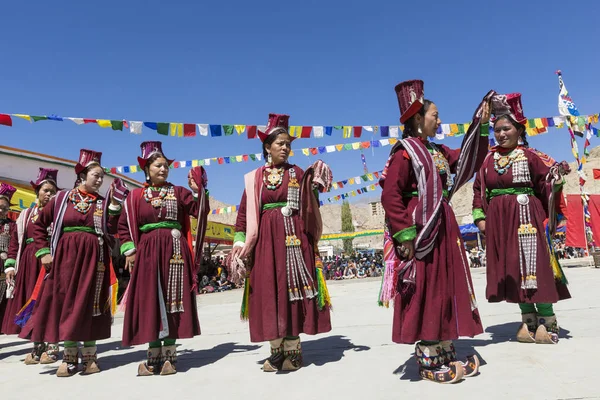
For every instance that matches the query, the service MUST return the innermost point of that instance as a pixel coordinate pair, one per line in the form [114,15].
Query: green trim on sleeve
[9,263]
[485,130]
[406,234]
[239,237]
[42,252]
[126,247]
[115,212]
[478,214]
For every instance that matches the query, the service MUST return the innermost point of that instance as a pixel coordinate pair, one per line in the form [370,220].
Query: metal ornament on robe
[527,234]
[4,241]
[296,269]
[100,267]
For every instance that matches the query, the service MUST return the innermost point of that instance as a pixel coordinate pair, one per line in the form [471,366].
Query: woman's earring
[419,130]
[269,160]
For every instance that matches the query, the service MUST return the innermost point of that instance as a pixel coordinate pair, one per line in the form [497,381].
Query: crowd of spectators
[354,266]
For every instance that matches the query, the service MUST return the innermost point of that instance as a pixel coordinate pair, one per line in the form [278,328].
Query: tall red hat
[508,104]
[87,158]
[45,174]
[148,149]
[7,191]
[410,98]
[275,121]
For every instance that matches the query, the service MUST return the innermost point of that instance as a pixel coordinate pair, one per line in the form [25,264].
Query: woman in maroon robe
[22,266]
[510,206]
[74,302]
[281,296]
[8,228]
[434,301]
[161,299]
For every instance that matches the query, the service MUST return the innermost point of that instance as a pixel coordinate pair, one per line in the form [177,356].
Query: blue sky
[322,62]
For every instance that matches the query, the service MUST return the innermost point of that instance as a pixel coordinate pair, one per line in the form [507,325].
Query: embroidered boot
[50,356]
[526,332]
[431,365]
[69,364]
[169,359]
[89,360]
[292,351]
[36,353]
[470,366]
[547,331]
[275,362]
[152,365]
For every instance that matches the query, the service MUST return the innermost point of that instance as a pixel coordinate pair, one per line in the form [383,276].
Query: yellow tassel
[323,298]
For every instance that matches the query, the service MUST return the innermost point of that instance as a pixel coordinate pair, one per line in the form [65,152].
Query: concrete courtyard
[356,360]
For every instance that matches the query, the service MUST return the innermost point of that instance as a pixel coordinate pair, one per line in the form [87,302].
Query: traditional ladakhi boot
[89,360]
[292,352]
[36,353]
[470,365]
[547,331]
[50,356]
[69,364]
[152,365]
[169,359]
[432,367]
[275,362]
[526,332]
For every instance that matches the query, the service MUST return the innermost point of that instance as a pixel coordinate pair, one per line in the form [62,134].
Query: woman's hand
[485,113]
[236,252]
[407,249]
[130,262]
[10,277]
[47,262]
[481,226]
[192,183]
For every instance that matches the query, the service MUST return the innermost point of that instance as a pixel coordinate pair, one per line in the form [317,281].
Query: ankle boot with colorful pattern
[169,360]
[35,355]
[89,359]
[50,356]
[275,362]
[433,366]
[470,365]
[526,332]
[547,331]
[70,363]
[152,365]
[292,351]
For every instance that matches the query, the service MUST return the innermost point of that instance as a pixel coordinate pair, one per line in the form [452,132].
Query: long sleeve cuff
[478,214]
[406,234]
[42,252]
[485,129]
[127,247]
[239,237]
[114,210]
[9,263]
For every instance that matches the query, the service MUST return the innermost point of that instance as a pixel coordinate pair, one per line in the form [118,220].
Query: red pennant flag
[189,130]
[113,170]
[245,157]
[89,121]
[5,119]
[596,173]
[251,131]
[357,131]
[341,185]
[365,145]
[221,160]
[176,164]
[306,132]
[358,190]
[545,122]
[376,174]
[314,151]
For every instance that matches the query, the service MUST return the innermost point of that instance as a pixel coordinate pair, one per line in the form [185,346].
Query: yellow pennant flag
[339,147]
[291,153]
[538,123]
[239,158]
[351,181]
[370,176]
[372,187]
[194,163]
[176,129]
[335,186]
[24,116]
[305,152]
[104,123]
[583,160]
[347,132]
[353,193]
[240,129]
[133,168]
[356,145]
[393,141]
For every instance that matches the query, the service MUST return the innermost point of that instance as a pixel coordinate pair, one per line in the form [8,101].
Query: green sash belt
[29,240]
[270,206]
[160,225]
[79,229]
[509,191]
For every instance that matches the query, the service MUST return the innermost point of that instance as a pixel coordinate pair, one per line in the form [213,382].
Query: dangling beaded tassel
[527,245]
[175,285]
[297,272]
[100,268]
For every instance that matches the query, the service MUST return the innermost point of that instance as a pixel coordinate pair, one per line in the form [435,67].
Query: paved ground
[357,360]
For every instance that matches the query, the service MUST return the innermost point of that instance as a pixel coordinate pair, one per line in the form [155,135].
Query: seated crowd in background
[355,266]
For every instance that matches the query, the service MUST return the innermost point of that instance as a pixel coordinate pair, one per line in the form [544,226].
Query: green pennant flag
[201,162]
[116,125]
[461,129]
[348,146]
[228,129]
[531,123]
[253,157]
[37,118]
[162,128]
[365,178]
[338,127]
